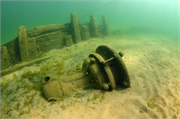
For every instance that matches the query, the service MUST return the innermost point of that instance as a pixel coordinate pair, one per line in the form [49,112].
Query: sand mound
[153,65]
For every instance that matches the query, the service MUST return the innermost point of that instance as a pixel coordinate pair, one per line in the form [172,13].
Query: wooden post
[105,25]
[93,27]
[4,57]
[75,28]
[23,45]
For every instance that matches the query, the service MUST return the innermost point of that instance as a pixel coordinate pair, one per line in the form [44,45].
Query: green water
[160,17]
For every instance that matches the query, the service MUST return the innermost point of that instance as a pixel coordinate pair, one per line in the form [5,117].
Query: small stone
[105,86]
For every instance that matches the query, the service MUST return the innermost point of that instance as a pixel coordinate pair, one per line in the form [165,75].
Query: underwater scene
[90,59]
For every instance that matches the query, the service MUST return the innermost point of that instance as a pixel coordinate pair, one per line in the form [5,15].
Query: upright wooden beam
[105,25]
[23,44]
[93,27]
[75,28]
[4,57]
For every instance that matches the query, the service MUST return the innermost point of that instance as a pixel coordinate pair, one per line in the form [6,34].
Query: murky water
[160,17]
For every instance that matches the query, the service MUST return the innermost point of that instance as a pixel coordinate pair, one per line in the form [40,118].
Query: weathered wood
[22,65]
[23,45]
[68,40]
[13,51]
[31,43]
[4,57]
[34,32]
[93,28]
[84,32]
[75,28]
[32,48]
[47,42]
[106,31]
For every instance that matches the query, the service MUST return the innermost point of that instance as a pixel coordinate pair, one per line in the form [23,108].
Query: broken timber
[31,43]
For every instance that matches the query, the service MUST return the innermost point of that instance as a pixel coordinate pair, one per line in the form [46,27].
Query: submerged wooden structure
[31,43]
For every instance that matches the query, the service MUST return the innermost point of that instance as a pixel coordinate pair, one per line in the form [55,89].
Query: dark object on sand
[103,69]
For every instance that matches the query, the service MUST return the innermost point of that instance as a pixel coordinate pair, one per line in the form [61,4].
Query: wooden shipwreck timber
[31,43]
[103,69]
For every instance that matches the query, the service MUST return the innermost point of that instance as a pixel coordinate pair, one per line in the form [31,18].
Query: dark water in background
[161,17]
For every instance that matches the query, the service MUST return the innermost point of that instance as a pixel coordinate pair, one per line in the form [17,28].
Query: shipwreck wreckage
[31,43]
[103,69]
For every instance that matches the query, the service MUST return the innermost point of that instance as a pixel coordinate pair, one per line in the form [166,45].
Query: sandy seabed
[153,65]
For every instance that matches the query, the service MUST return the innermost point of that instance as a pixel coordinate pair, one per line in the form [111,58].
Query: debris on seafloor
[103,69]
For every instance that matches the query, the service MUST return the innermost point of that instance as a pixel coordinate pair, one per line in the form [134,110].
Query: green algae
[140,111]
[4,86]
[37,84]
[29,74]
[102,96]
[151,103]
[63,107]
